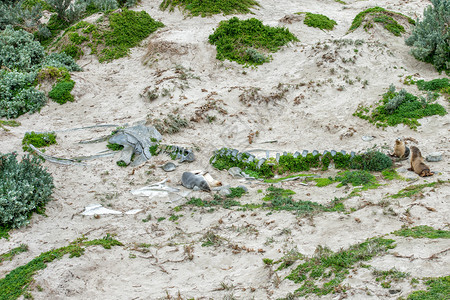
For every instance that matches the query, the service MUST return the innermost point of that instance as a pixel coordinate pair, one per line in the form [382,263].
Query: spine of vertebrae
[247,157]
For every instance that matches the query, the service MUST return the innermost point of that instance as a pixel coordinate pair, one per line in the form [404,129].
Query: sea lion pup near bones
[400,149]
[417,164]
[190,180]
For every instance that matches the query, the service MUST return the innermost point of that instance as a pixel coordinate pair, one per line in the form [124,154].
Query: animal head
[415,151]
[204,186]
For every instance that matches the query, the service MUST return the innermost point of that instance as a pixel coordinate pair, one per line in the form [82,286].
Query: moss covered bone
[267,167]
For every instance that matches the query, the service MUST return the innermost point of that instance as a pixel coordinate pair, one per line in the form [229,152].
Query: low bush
[437,85]
[122,31]
[210,7]
[18,95]
[20,15]
[25,187]
[430,38]
[371,161]
[383,16]
[400,107]
[319,21]
[60,92]
[237,40]
[355,178]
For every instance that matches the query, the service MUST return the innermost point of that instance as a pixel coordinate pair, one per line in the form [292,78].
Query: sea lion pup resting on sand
[417,164]
[190,180]
[400,149]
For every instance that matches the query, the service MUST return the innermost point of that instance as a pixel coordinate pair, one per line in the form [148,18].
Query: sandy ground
[313,113]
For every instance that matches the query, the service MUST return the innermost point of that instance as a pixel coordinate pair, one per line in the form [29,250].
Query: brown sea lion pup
[417,164]
[400,149]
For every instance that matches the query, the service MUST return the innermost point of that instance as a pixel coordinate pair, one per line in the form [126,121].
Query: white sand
[109,93]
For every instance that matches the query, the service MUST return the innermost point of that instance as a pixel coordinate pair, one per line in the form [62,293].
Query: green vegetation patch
[318,21]
[9,123]
[321,182]
[430,37]
[438,288]
[38,140]
[247,41]
[16,282]
[400,108]
[13,252]
[60,92]
[210,7]
[124,30]
[391,174]
[415,189]
[369,161]
[355,178]
[236,192]
[436,85]
[423,231]
[383,16]
[218,201]
[25,187]
[281,199]
[114,146]
[325,272]
[385,278]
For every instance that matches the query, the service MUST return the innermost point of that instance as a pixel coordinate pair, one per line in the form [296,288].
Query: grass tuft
[438,288]
[423,231]
[323,273]
[16,282]
[415,189]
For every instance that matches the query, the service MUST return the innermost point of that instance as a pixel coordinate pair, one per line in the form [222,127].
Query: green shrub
[60,92]
[17,94]
[210,7]
[19,15]
[371,161]
[67,10]
[356,178]
[20,52]
[430,38]
[52,74]
[128,29]
[381,15]
[319,21]
[25,187]
[38,140]
[433,85]
[234,38]
[400,107]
